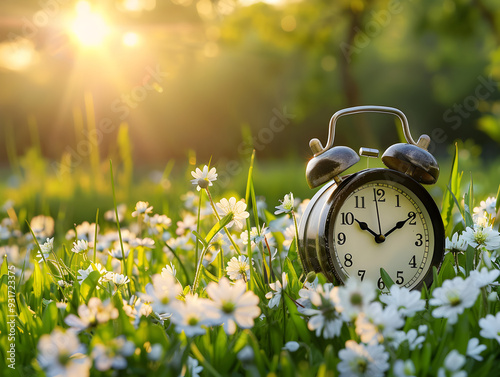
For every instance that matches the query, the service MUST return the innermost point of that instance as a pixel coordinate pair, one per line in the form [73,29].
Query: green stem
[124,258]
[236,248]
[196,352]
[198,228]
[180,262]
[95,234]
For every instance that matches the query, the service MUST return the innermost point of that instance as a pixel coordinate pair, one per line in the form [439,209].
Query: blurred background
[162,86]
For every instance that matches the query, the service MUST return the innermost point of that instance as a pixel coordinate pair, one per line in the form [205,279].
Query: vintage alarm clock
[357,224]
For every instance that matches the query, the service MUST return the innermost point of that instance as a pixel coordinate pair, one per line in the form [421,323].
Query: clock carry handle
[411,158]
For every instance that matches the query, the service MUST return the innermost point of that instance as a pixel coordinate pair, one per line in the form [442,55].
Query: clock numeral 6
[380,284]
[341,238]
[348,260]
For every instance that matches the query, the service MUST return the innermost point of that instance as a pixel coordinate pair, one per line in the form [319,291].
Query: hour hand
[398,225]
[364,226]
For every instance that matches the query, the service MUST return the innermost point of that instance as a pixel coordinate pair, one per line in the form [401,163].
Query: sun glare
[130,39]
[89,27]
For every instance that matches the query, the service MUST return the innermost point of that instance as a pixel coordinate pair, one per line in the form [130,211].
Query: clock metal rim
[359,179]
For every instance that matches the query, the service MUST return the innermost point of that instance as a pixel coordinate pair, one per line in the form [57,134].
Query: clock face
[386,223]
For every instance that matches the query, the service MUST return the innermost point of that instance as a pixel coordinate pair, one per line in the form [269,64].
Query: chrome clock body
[376,218]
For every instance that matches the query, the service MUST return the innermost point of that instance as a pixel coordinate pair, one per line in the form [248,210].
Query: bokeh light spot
[89,28]
[288,23]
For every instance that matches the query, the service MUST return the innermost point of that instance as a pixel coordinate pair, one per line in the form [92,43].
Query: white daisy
[490,327]
[189,316]
[169,270]
[453,362]
[80,246]
[484,277]
[232,305]
[193,368]
[286,205]
[120,279]
[325,319]
[482,236]
[406,302]
[92,314]
[452,298]
[238,268]
[274,296]
[457,244]
[362,360]
[113,354]
[487,206]
[474,349]
[142,208]
[61,354]
[352,298]
[404,368]
[376,323]
[45,248]
[236,208]
[162,292]
[203,178]
[147,243]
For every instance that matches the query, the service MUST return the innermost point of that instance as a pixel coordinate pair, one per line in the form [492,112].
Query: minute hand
[398,225]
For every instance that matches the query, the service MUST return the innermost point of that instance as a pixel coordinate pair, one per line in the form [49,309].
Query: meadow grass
[130,297]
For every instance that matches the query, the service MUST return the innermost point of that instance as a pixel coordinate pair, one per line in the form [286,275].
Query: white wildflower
[362,360]
[203,178]
[236,208]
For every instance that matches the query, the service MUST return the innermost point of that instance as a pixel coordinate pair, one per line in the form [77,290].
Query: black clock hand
[364,226]
[379,238]
[376,207]
[398,225]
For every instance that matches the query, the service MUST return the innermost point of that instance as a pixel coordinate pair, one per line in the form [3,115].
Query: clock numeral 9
[348,260]
[341,238]
[419,241]
[347,218]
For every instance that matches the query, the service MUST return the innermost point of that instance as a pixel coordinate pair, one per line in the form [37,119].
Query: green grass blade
[453,190]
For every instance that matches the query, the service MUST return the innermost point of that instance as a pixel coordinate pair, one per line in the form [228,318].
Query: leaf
[386,278]
[200,238]
[37,286]
[297,320]
[89,285]
[217,227]
[49,318]
[453,190]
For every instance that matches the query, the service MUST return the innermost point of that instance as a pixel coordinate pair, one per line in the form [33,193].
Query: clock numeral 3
[348,260]
[419,241]
[347,218]
[341,238]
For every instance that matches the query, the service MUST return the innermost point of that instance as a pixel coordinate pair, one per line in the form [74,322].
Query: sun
[89,28]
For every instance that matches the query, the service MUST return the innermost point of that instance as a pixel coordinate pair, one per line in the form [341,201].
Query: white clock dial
[382,224]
